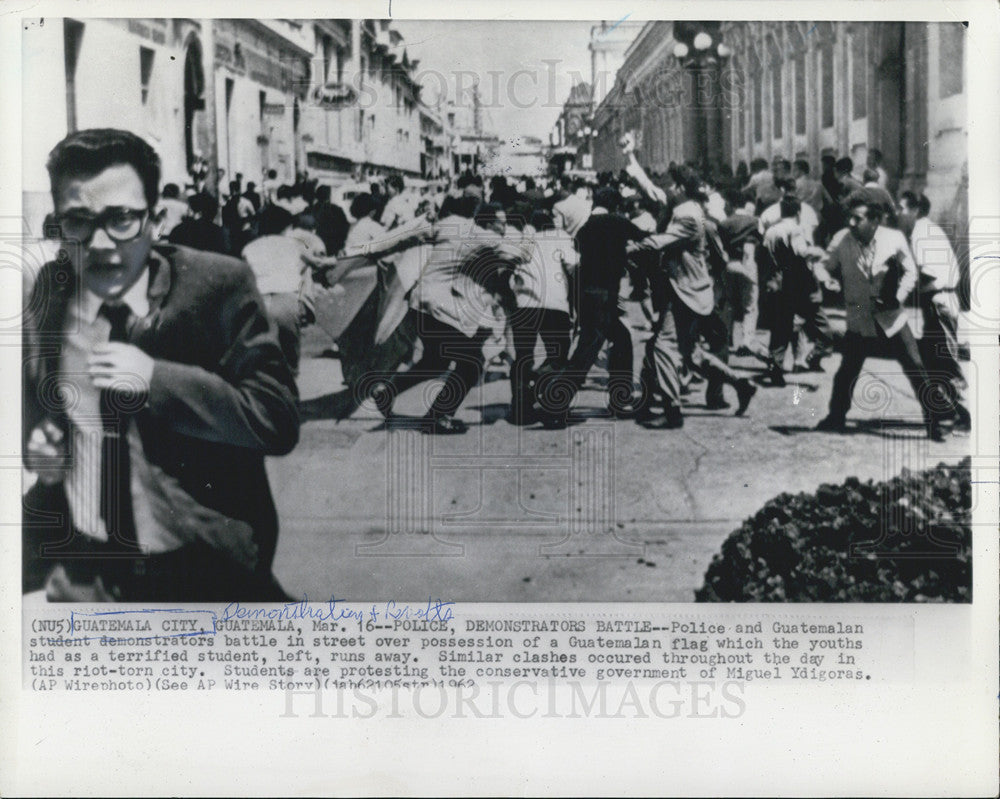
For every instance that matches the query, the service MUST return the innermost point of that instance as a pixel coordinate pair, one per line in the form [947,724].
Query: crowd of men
[176,356]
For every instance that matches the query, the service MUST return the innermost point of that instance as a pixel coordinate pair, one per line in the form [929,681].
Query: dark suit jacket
[221,396]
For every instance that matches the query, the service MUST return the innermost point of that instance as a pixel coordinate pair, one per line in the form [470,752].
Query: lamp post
[700,52]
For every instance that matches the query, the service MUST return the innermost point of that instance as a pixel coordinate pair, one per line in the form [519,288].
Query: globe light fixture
[680,50]
[724,51]
[702,41]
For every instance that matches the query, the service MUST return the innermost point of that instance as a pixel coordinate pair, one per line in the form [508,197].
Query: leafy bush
[905,540]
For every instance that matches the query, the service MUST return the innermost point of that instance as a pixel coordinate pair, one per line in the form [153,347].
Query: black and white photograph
[408,398]
[605,310]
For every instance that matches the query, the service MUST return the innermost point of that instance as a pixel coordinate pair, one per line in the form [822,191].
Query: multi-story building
[798,89]
[227,96]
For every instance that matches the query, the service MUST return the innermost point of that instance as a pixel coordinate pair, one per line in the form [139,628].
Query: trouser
[903,347]
[674,343]
[527,325]
[599,321]
[939,345]
[743,295]
[446,351]
[286,311]
[815,323]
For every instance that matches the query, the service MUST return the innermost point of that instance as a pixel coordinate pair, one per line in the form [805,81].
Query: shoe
[718,404]
[936,432]
[443,426]
[963,419]
[831,425]
[672,419]
[382,397]
[776,377]
[814,363]
[522,415]
[744,393]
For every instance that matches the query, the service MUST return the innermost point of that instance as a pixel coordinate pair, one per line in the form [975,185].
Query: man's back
[601,242]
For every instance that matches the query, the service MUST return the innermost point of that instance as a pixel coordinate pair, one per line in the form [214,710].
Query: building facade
[335,98]
[800,90]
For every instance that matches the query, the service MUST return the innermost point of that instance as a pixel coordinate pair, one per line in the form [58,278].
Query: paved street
[602,511]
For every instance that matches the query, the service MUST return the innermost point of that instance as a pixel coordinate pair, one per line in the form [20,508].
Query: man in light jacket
[877,272]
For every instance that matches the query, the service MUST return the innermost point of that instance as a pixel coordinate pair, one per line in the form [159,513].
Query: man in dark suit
[153,388]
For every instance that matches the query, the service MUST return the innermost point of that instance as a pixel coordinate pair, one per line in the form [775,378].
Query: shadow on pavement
[879,428]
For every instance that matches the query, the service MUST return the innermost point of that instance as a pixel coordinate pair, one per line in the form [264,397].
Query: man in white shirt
[878,273]
[807,218]
[939,274]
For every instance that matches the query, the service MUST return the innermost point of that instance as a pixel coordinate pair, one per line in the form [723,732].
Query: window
[146,56]
[776,99]
[800,93]
[757,100]
[72,39]
[859,75]
[951,58]
[826,88]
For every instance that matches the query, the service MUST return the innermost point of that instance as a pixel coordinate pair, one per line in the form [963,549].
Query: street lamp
[699,50]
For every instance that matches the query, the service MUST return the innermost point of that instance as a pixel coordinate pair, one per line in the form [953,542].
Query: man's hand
[627,143]
[46,444]
[831,285]
[120,366]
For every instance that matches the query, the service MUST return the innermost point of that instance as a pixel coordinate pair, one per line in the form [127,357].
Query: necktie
[116,490]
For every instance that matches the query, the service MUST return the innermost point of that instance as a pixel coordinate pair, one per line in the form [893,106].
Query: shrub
[905,540]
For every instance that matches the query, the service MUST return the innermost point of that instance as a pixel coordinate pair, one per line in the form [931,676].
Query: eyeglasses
[121,224]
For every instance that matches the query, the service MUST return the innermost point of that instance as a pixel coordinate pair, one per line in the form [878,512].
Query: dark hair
[464,206]
[87,153]
[757,164]
[204,205]
[736,198]
[395,182]
[828,160]
[171,191]
[234,187]
[875,154]
[690,181]
[274,220]
[542,220]
[845,165]
[285,192]
[272,174]
[606,197]
[802,165]
[790,206]
[362,205]
[529,183]
[918,201]
[867,198]
[785,184]
[305,221]
[870,175]
[486,213]
[322,193]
